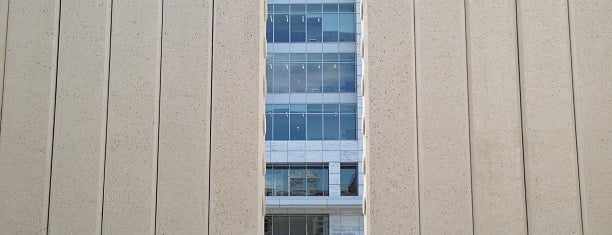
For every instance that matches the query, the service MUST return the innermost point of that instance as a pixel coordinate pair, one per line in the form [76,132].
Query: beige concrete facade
[109,108]
[512,116]
[144,117]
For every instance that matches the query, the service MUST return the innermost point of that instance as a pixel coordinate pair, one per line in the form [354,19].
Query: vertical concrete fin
[390,118]
[184,144]
[495,118]
[28,115]
[133,116]
[551,171]
[591,44]
[443,120]
[80,118]
[236,132]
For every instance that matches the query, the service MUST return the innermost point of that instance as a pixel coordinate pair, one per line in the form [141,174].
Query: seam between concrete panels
[110,35]
[416,114]
[569,35]
[6,32]
[210,108]
[520,91]
[57,52]
[159,97]
[467,82]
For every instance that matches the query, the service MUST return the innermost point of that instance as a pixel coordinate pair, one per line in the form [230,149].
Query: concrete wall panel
[184,135]
[443,126]
[236,170]
[80,120]
[551,171]
[390,98]
[495,118]
[591,37]
[28,107]
[133,114]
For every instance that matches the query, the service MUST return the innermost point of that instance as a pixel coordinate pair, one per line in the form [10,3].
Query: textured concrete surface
[442,114]
[133,114]
[27,119]
[495,118]
[184,134]
[551,171]
[237,138]
[80,119]
[591,38]
[390,101]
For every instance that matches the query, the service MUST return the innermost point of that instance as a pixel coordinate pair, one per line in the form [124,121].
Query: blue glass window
[281,27]
[298,78]
[346,30]
[349,179]
[297,180]
[330,27]
[330,126]
[313,76]
[347,77]
[281,77]
[311,121]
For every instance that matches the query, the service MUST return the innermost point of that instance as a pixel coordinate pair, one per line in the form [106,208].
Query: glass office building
[314,182]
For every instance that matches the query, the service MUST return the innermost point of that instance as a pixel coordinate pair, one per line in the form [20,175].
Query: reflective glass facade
[311,72]
[297,180]
[311,23]
[303,224]
[311,121]
[349,179]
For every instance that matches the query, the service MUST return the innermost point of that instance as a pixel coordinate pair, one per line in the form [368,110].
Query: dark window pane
[313,57]
[298,57]
[298,28]
[298,108]
[281,57]
[330,7]
[281,127]
[347,77]
[314,108]
[330,27]
[279,108]
[268,126]
[281,183]
[314,8]
[269,181]
[314,24]
[271,8]
[330,127]
[269,29]
[298,78]
[268,225]
[313,78]
[318,182]
[330,108]
[314,127]
[281,28]
[281,78]
[330,78]
[330,57]
[347,57]
[298,127]
[346,28]
[348,123]
[346,7]
[349,180]
[298,8]
[348,108]
[280,225]
[297,181]
[281,8]
[269,78]
[318,225]
[298,225]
